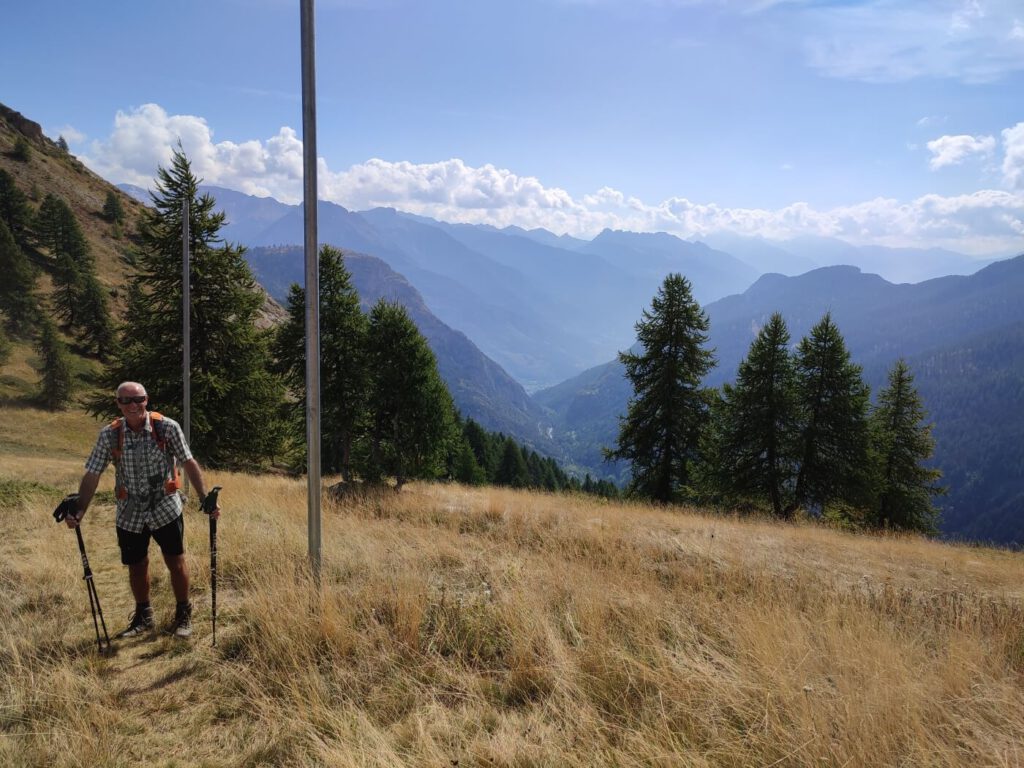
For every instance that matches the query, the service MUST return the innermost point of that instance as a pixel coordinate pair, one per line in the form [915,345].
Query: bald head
[129,389]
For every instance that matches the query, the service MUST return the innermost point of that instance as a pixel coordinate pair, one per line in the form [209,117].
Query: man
[144,446]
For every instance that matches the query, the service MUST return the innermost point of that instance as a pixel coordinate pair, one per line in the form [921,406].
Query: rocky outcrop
[27,128]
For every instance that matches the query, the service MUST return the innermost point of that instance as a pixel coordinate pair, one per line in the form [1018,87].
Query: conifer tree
[465,468]
[512,470]
[68,285]
[14,210]
[757,428]
[660,432]
[95,328]
[57,382]
[78,297]
[22,151]
[113,211]
[901,441]
[410,410]
[5,347]
[344,377]
[833,441]
[484,449]
[234,396]
[18,299]
[57,231]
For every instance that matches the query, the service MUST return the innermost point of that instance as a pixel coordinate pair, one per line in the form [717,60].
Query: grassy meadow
[486,627]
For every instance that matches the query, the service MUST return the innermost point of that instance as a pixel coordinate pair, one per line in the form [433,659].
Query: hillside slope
[486,627]
[49,170]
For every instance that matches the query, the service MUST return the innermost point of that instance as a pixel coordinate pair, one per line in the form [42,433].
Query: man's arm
[86,490]
[195,476]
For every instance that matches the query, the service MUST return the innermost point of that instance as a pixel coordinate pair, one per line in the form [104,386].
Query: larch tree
[18,299]
[95,329]
[344,377]
[235,398]
[833,441]
[661,430]
[513,470]
[113,210]
[411,414]
[757,432]
[78,297]
[14,209]
[901,441]
[57,383]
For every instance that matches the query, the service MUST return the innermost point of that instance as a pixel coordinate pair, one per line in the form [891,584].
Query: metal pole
[312,285]
[186,330]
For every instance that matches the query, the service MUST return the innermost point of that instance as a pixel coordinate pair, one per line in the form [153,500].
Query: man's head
[132,399]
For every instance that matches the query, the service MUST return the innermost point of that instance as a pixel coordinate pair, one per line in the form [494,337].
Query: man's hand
[208,503]
[68,511]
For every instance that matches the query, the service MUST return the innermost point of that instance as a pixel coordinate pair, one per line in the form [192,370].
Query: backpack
[156,420]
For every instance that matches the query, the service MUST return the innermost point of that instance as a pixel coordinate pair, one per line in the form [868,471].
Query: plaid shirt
[142,470]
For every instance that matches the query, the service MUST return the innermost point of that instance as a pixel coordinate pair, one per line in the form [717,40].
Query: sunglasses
[138,399]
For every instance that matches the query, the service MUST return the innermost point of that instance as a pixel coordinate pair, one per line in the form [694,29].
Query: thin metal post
[186,326]
[312,285]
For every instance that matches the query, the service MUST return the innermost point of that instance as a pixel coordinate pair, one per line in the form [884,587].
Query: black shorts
[135,546]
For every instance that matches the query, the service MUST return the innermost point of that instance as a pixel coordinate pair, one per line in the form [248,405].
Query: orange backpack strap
[117,449]
[173,483]
[156,419]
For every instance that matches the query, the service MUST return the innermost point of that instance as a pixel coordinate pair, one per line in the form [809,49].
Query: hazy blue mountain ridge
[481,389]
[962,336]
[652,255]
[510,318]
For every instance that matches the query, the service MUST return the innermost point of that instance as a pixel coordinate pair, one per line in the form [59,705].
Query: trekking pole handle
[209,502]
[67,508]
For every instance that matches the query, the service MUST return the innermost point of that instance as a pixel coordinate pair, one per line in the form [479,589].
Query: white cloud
[1017,33]
[145,137]
[984,222]
[1013,157]
[952,150]
[70,133]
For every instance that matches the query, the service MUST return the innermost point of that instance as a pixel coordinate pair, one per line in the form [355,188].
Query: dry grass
[495,628]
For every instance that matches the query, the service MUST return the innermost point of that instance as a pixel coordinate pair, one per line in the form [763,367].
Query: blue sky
[899,123]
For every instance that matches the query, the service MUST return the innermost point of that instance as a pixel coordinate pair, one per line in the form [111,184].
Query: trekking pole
[70,507]
[208,504]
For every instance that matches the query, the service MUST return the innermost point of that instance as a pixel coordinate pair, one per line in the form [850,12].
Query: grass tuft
[476,626]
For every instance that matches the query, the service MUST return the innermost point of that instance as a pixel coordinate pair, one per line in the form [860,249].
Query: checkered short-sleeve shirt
[143,468]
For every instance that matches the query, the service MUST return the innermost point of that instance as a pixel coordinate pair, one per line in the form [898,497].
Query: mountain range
[547,307]
[509,311]
[480,388]
[963,337]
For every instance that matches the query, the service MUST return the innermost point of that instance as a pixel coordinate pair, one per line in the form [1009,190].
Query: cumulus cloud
[952,150]
[71,134]
[145,137]
[1013,157]
[982,223]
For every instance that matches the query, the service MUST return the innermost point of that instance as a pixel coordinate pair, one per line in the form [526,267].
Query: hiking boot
[141,623]
[182,624]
